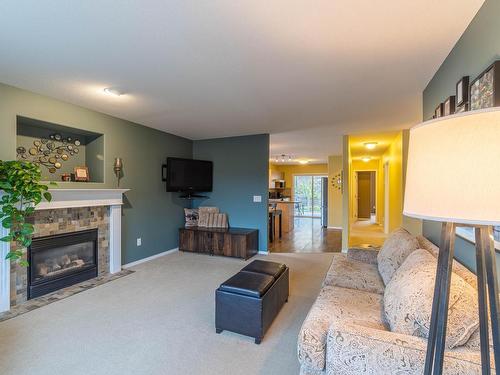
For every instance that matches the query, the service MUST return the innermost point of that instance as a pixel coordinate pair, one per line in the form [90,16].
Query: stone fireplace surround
[70,210]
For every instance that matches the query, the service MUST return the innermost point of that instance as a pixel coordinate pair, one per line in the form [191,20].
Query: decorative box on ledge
[77,236]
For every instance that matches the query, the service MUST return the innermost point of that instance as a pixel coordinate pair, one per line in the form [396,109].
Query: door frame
[293,188]
[355,193]
[387,185]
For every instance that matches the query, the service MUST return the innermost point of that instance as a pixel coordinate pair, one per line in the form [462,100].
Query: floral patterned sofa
[373,311]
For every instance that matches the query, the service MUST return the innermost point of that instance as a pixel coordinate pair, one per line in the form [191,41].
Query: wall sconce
[118,168]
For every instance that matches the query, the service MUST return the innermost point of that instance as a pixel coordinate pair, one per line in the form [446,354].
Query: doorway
[310,194]
[366,195]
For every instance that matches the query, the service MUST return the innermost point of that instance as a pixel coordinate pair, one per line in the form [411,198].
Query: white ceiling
[304,71]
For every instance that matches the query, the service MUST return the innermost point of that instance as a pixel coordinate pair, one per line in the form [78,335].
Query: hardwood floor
[308,237]
[363,233]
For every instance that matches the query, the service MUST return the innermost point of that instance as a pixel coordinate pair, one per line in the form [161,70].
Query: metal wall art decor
[337,181]
[50,152]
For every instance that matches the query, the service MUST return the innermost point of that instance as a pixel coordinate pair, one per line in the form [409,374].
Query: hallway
[308,236]
[364,233]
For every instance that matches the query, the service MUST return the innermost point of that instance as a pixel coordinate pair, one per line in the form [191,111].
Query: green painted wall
[149,211]
[241,170]
[477,48]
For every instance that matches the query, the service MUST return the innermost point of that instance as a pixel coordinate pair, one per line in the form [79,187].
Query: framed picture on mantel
[82,174]
[484,91]
[438,112]
[462,91]
[449,106]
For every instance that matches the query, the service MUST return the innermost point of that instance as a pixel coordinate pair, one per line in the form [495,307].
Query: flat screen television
[188,175]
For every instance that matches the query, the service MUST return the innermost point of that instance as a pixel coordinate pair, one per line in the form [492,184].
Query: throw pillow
[204,213]
[394,251]
[408,301]
[191,216]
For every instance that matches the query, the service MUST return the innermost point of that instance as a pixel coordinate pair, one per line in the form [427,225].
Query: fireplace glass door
[61,260]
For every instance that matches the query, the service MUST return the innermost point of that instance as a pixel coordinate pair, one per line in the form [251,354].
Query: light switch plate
[139,241]
[257,198]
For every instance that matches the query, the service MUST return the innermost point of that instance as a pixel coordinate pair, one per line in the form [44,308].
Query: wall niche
[59,149]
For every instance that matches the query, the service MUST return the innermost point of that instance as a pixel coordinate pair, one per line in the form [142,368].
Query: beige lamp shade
[453,171]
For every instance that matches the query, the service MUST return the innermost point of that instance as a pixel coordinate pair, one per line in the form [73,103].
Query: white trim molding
[4,272]
[152,257]
[72,198]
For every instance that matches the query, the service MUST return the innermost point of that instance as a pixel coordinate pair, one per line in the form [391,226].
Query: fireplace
[61,260]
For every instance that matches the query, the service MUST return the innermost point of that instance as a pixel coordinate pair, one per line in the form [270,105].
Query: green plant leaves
[22,191]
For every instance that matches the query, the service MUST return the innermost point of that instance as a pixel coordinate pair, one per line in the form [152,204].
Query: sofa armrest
[365,255]
[355,347]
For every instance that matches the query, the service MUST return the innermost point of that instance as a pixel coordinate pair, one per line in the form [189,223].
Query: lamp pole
[487,286]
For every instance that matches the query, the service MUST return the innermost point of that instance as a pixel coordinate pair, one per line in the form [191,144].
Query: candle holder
[118,168]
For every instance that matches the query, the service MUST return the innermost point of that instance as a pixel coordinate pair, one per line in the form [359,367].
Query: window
[307,189]
[468,234]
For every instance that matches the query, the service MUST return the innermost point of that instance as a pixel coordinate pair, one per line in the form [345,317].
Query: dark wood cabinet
[231,242]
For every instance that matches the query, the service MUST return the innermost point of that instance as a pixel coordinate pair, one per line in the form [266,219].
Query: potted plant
[20,192]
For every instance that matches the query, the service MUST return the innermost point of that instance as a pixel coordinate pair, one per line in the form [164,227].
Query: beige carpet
[159,320]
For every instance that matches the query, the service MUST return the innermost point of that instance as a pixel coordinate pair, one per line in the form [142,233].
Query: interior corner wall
[241,171]
[149,212]
[394,155]
[412,225]
[334,195]
[346,188]
[477,48]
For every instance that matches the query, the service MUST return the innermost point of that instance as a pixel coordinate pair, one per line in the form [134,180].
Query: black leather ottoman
[248,302]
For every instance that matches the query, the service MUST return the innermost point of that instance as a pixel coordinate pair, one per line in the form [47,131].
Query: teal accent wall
[476,49]
[149,211]
[241,170]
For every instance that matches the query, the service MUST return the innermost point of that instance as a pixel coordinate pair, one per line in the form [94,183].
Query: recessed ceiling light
[113,91]
[303,161]
[370,145]
[366,159]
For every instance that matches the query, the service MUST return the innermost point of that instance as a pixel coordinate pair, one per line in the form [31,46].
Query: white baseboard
[334,228]
[132,264]
[263,252]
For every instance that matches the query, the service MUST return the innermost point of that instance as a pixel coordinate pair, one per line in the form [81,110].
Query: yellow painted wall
[334,195]
[290,170]
[394,155]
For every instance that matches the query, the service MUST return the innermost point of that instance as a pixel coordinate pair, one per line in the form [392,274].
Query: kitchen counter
[288,210]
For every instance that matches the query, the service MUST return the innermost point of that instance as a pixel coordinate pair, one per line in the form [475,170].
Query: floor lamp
[453,177]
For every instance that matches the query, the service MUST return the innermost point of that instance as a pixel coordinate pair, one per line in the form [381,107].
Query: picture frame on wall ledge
[462,91]
[438,112]
[484,91]
[82,174]
[449,106]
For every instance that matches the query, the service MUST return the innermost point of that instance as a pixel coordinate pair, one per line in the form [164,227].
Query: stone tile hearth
[65,220]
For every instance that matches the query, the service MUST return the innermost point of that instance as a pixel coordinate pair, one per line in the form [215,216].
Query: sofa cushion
[469,277]
[394,251]
[334,304]
[348,273]
[408,301]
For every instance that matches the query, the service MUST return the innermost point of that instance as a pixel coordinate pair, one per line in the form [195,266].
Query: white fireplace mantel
[72,198]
